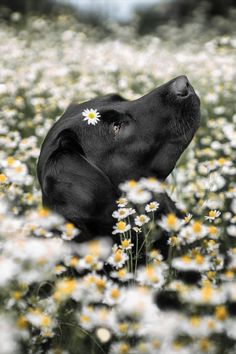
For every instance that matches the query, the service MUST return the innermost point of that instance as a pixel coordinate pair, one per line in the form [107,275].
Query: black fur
[80,165]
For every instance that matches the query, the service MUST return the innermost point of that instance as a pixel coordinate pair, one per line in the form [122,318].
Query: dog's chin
[162,171]
[160,174]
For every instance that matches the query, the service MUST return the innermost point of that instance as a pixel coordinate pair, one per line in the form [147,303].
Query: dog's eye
[116,127]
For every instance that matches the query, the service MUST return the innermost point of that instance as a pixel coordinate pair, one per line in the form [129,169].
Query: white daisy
[187,218]
[139,196]
[91,116]
[121,227]
[140,220]
[186,263]
[113,295]
[170,222]
[69,231]
[194,231]
[89,262]
[123,213]
[151,207]
[122,202]
[126,244]
[152,184]
[212,215]
[151,276]
[122,274]
[129,185]
[86,318]
[118,258]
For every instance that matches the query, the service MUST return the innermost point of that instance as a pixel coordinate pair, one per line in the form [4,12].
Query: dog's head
[132,139]
[144,137]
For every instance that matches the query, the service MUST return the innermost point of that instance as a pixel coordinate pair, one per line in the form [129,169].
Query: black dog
[81,165]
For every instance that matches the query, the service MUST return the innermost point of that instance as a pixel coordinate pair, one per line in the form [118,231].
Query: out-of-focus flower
[212,215]
[151,207]
[170,222]
[118,258]
[140,220]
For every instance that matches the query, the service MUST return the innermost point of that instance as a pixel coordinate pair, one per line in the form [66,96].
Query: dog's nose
[181,86]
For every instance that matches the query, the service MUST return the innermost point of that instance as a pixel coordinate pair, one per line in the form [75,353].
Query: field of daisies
[61,296]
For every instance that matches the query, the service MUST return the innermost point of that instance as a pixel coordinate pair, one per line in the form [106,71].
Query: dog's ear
[75,188]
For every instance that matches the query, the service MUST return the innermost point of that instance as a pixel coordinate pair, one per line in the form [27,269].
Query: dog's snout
[181,86]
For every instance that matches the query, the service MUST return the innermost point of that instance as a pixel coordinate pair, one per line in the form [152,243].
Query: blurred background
[146,15]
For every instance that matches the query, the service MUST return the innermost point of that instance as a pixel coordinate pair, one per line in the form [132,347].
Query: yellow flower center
[222,161]
[18,169]
[139,191]
[229,274]
[3,178]
[121,273]
[45,321]
[212,214]
[154,253]
[151,274]
[19,100]
[69,227]
[123,327]
[125,243]
[187,218]
[221,313]
[152,206]
[173,241]
[177,345]
[29,197]
[91,115]
[16,295]
[156,343]
[197,227]
[121,201]
[211,275]
[10,161]
[132,183]
[88,259]
[171,220]
[84,319]
[206,292]
[211,324]
[73,261]
[204,345]
[152,179]
[65,288]
[212,230]
[195,321]
[118,256]
[199,259]
[94,248]
[142,218]
[22,322]
[43,212]
[100,283]
[124,348]
[90,279]
[121,225]
[186,259]
[115,293]
[58,268]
